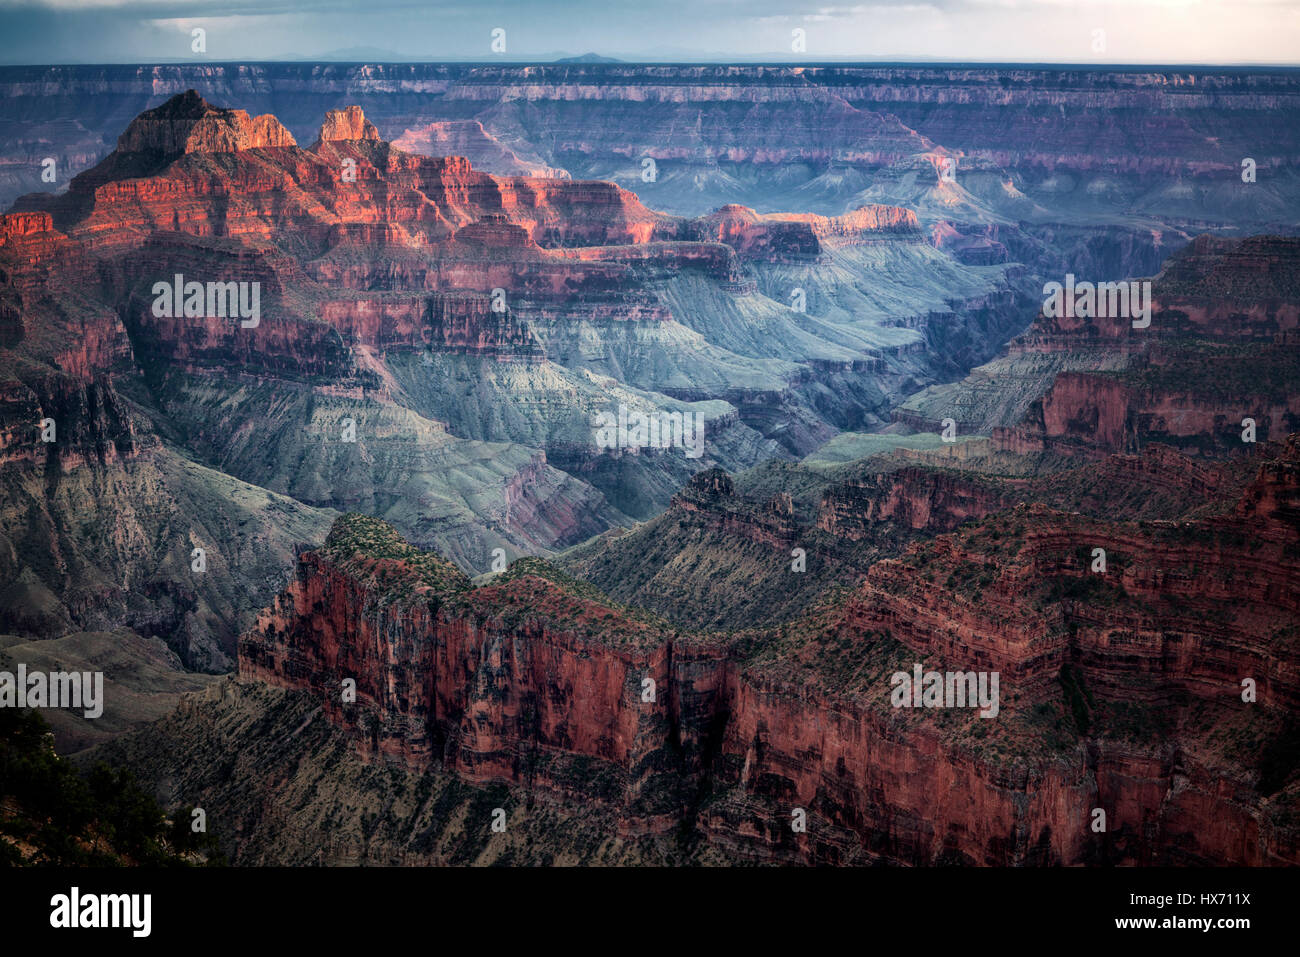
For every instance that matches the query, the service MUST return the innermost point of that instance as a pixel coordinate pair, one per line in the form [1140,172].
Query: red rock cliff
[1101,673]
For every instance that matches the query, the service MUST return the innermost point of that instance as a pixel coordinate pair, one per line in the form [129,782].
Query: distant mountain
[588,58]
[359,55]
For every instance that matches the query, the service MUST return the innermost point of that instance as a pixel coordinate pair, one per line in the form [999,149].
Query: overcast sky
[1135,31]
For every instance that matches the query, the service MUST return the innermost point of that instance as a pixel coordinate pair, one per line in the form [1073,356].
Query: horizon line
[702,61]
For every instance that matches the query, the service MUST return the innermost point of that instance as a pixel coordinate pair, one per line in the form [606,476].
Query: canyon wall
[537,680]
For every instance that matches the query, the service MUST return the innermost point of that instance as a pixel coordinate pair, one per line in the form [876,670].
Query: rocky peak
[349,123]
[733,214]
[711,483]
[189,124]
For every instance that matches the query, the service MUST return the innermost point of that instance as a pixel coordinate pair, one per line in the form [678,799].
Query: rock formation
[534,679]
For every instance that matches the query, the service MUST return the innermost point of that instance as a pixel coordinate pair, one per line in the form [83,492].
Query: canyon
[1101,170]
[383,507]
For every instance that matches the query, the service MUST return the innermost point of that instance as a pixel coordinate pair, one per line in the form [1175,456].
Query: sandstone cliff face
[708,497]
[1142,632]
[38,257]
[793,237]
[1219,349]
[347,124]
[69,345]
[523,680]
[187,124]
[1223,289]
[21,225]
[918,499]
[530,679]
[1197,400]
[460,323]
